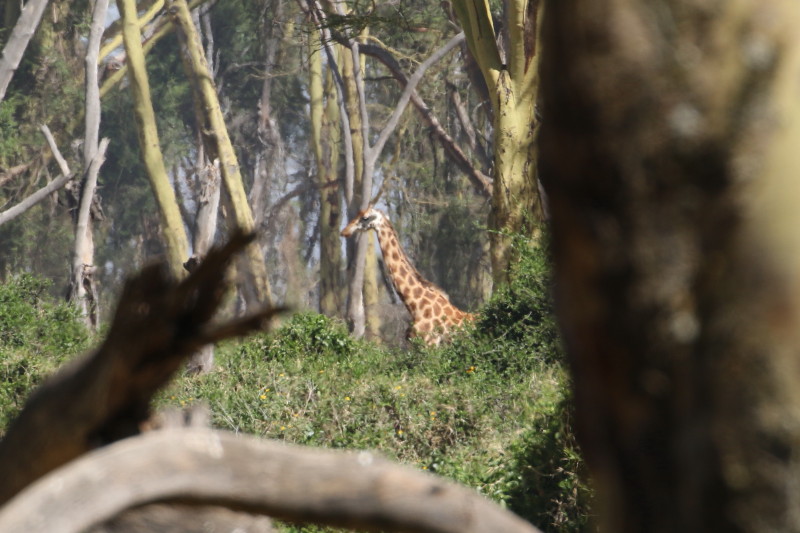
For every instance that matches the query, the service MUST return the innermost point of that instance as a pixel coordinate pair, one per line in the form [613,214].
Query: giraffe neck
[413,289]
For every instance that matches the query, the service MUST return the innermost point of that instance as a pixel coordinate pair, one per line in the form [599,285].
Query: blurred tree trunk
[325,124]
[508,57]
[220,146]
[670,150]
[171,223]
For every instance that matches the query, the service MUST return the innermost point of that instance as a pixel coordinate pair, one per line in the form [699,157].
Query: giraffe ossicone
[433,316]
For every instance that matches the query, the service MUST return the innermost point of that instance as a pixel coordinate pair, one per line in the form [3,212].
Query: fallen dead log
[243,473]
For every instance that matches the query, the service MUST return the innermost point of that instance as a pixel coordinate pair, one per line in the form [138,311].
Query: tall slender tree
[324,113]
[171,222]
[222,148]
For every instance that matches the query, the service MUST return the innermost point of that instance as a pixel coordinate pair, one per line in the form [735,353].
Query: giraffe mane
[414,272]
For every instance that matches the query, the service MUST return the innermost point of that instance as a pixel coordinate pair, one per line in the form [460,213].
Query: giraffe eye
[367,219]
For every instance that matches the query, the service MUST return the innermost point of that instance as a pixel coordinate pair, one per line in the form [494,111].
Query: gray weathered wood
[200,466]
[18,42]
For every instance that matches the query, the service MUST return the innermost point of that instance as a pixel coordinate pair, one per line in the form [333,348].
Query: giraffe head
[369,218]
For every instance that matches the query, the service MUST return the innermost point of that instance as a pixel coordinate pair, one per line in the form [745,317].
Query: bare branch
[62,163]
[13,212]
[410,87]
[481,182]
[158,324]
[201,467]
[18,42]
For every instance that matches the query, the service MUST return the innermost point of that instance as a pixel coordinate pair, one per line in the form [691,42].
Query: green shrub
[489,410]
[36,335]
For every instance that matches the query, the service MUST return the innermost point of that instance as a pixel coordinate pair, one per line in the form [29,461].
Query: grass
[440,410]
[489,410]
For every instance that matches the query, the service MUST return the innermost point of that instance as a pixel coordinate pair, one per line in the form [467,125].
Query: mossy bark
[177,245]
[325,118]
[512,76]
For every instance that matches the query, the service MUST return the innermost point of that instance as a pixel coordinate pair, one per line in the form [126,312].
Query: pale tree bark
[200,467]
[177,245]
[259,292]
[116,40]
[324,112]
[357,250]
[670,151]
[18,42]
[204,182]
[83,290]
[207,188]
[512,75]
[365,260]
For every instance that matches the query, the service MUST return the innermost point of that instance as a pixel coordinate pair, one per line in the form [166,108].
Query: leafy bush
[522,313]
[489,410]
[36,335]
[9,139]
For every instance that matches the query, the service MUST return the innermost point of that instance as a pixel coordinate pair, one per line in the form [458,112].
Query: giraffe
[432,314]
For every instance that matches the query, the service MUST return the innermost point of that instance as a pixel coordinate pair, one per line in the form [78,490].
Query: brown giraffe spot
[403,272]
[417,292]
[395,256]
[427,312]
[437,309]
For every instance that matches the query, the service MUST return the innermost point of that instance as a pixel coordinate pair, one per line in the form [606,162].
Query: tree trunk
[670,151]
[357,249]
[325,118]
[171,224]
[83,290]
[20,37]
[231,177]
[511,73]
